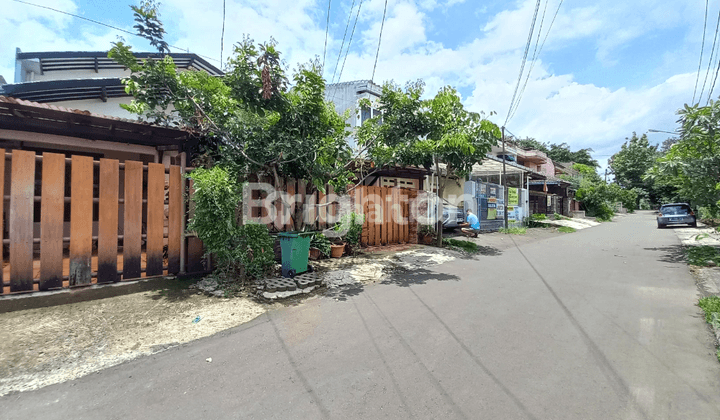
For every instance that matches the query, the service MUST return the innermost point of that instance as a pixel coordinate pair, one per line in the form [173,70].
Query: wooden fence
[388,211]
[74,221]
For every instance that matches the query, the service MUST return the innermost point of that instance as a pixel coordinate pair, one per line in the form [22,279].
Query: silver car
[452,215]
[676,214]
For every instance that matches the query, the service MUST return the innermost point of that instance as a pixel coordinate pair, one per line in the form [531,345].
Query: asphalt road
[598,324]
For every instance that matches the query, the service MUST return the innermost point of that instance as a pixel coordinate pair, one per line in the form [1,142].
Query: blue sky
[608,68]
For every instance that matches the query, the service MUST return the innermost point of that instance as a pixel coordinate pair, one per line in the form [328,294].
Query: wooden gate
[388,215]
[74,221]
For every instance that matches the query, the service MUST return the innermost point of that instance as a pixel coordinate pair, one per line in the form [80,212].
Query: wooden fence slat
[290,209]
[174,220]
[155,219]
[322,210]
[2,220]
[364,210]
[396,216]
[108,221]
[278,223]
[393,217]
[81,218]
[406,216]
[386,216]
[22,192]
[378,215]
[132,214]
[52,211]
[332,211]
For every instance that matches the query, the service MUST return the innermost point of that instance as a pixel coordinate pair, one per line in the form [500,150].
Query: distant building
[347,96]
[83,80]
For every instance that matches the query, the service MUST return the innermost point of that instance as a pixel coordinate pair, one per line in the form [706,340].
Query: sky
[607,68]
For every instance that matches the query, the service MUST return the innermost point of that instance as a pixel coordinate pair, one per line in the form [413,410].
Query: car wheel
[661,226]
[693,224]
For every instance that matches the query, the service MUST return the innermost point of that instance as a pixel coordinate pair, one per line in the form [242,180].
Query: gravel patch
[44,346]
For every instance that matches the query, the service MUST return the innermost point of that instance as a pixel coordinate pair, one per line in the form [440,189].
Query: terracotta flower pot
[336,251]
[314,253]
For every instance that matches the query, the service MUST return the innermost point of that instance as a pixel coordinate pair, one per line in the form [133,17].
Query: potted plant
[426,234]
[350,227]
[320,246]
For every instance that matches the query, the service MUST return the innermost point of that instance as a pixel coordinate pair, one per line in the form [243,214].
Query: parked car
[452,215]
[676,214]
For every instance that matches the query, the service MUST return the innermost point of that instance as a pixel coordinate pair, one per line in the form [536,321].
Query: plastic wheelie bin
[295,248]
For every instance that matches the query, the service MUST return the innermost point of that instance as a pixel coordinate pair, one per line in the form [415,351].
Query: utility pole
[606,175]
[504,181]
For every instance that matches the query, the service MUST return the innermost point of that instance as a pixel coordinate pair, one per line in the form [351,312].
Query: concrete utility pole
[504,182]
[606,175]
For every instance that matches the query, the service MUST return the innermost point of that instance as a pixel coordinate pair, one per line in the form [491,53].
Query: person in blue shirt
[472,227]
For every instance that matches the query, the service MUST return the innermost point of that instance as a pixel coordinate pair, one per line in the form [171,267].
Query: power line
[342,45]
[222,36]
[712,87]
[702,48]
[377,53]
[104,24]
[327,28]
[350,40]
[522,65]
[712,54]
[532,60]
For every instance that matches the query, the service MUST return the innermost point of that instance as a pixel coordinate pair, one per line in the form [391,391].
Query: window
[364,114]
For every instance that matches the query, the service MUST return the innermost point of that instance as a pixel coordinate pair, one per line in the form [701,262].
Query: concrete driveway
[597,324]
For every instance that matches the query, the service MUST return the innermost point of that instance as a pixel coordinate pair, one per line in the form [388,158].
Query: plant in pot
[320,246]
[426,234]
[348,232]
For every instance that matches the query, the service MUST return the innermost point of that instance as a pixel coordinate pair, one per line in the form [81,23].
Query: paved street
[598,324]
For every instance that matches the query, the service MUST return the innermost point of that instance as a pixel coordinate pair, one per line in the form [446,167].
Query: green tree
[562,153]
[530,143]
[692,165]
[635,157]
[252,120]
[433,132]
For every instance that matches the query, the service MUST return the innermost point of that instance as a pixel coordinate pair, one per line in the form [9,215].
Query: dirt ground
[43,346]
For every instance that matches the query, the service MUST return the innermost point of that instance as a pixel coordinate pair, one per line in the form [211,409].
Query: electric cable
[222,36]
[532,63]
[712,54]
[524,60]
[342,44]
[106,25]
[377,53]
[327,28]
[702,48]
[349,42]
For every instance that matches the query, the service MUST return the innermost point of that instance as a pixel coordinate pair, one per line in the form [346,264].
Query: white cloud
[554,107]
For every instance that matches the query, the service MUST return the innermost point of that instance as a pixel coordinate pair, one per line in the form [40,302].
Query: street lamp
[652,130]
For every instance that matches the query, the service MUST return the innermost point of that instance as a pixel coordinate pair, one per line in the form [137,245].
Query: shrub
[711,305]
[255,249]
[321,242]
[239,251]
[702,255]
[350,227]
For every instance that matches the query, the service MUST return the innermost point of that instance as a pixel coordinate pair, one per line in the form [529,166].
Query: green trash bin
[295,248]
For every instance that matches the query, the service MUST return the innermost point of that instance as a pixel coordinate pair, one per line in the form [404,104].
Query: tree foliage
[430,133]
[692,165]
[635,157]
[559,152]
[251,120]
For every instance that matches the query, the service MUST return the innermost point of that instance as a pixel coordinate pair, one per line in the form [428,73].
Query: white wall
[110,108]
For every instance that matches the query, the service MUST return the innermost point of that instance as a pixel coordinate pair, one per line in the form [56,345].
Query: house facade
[85,80]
